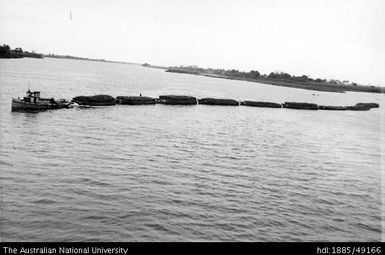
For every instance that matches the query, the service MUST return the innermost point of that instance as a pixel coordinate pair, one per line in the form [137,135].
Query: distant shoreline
[88,59]
[275,79]
[308,85]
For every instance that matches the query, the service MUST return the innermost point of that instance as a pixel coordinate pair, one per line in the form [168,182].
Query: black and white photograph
[192,121]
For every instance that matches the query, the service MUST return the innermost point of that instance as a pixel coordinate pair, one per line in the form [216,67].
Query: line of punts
[33,101]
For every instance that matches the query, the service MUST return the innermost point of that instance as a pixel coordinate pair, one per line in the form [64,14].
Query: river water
[184,173]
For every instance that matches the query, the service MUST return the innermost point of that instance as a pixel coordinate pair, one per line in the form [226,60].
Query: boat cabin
[32,96]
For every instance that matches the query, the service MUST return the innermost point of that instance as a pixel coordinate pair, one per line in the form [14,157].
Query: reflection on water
[172,173]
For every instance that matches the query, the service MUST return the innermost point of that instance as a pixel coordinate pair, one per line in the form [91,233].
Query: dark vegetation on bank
[105,100]
[279,79]
[7,52]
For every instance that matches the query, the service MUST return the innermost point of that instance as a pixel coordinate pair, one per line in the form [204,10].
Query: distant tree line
[73,57]
[304,78]
[288,77]
[253,74]
[7,52]
[4,49]
[212,71]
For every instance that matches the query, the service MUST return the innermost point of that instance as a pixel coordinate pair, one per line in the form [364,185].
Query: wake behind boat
[33,102]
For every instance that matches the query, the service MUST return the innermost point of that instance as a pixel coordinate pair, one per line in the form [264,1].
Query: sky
[334,39]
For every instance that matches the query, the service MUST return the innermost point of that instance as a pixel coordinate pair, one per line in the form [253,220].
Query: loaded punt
[303,106]
[177,100]
[98,100]
[135,100]
[218,101]
[363,106]
[261,104]
[333,108]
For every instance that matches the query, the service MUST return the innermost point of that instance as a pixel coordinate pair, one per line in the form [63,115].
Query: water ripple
[200,173]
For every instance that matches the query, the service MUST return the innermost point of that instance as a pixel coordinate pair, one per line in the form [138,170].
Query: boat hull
[20,105]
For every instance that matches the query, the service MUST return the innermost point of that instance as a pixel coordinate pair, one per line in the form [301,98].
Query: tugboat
[33,102]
